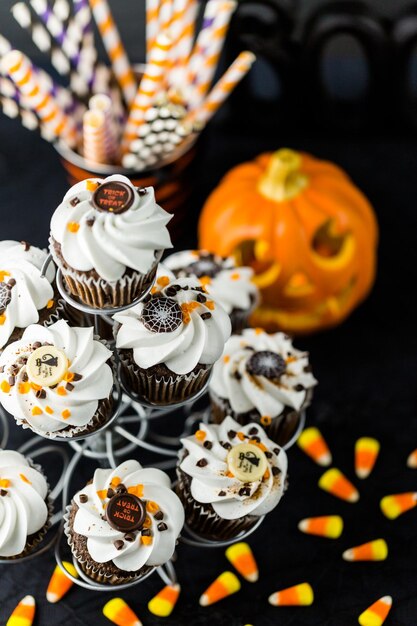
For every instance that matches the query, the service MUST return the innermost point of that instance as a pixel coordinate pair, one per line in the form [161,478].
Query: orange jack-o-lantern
[307,231]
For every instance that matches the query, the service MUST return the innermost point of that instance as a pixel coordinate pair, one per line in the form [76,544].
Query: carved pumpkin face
[307,231]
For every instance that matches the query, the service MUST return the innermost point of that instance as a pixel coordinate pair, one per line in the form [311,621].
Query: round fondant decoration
[266,363]
[47,366]
[125,512]
[113,197]
[162,315]
[247,462]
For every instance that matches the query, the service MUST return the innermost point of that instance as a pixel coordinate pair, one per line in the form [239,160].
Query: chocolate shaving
[83,498]
[118,544]
[162,526]
[202,463]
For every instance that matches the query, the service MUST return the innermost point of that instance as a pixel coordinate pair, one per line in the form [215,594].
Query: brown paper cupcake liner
[35,539]
[281,429]
[100,294]
[161,391]
[202,519]
[103,573]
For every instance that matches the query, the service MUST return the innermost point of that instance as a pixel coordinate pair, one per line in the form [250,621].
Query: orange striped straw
[37,98]
[24,613]
[182,29]
[149,88]
[115,49]
[208,47]
[334,482]
[376,550]
[312,442]
[397,504]
[366,454]
[165,14]
[221,90]
[412,459]
[164,602]
[299,595]
[377,613]
[329,526]
[152,24]
[224,585]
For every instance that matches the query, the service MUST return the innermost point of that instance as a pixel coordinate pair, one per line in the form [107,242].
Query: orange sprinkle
[137,490]
[4,482]
[154,290]
[91,185]
[205,280]
[290,359]
[240,435]
[266,474]
[147,541]
[61,391]
[116,481]
[3,273]
[210,305]
[49,410]
[50,304]
[200,435]
[230,475]
[259,331]
[73,227]
[37,410]
[265,420]
[147,523]
[24,388]
[25,480]
[226,358]
[5,387]
[163,281]
[102,493]
[66,414]
[35,387]
[69,376]
[2,319]
[152,507]
[235,276]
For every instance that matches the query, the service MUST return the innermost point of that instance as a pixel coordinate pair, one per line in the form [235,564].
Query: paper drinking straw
[182,31]
[41,38]
[94,136]
[165,14]
[149,88]
[103,103]
[52,117]
[5,46]
[14,110]
[152,24]
[221,90]
[208,47]
[56,28]
[62,9]
[114,47]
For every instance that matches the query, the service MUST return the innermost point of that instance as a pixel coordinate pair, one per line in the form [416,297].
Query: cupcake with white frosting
[123,523]
[228,476]
[57,380]
[25,506]
[168,343]
[262,378]
[26,297]
[107,237]
[230,285]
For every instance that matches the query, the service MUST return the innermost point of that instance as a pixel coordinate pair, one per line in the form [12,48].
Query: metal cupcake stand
[131,428]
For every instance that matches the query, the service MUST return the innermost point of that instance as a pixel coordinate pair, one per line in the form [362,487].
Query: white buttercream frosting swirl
[213,483]
[201,327]
[109,242]
[74,400]
[151,486]
[28,292]
[23,509]
[230,285]
[246,389]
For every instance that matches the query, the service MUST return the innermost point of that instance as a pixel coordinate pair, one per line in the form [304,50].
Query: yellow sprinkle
[2,319]
[4,483]
[91,185]
[37,410]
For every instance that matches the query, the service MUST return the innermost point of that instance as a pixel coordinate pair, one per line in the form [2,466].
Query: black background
[367,374]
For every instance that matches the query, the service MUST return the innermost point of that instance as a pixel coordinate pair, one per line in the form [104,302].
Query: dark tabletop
[367,370]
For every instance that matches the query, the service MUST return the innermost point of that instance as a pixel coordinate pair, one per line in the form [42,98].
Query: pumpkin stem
[283,179]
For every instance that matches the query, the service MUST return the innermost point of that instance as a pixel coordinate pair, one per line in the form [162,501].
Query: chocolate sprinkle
[206,316]
[77,377]
[12,380]
[171,291]
[25,377]
[299,387]
[276,471]
[202,463]
[159,515]
[110,492]
[161,315]
[118,544]
[36,345]
[276,451]
[129,537]
[26,245]
[200,298]
[3,492]
[253,430]
[74,201]
[69,386]
[268,455]
[142,191]
[90,221]
[146,532]
[41,394]
[83,498]
[121,488]
[231,434]
[257,439]
[266,363]
[162,526]
[11,282]
[208,445]
[226,445]
[244,491]
[222,493]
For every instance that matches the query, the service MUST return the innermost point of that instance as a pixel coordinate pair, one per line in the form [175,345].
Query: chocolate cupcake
[262,378]
[57,380]
[26,297]
[25,505]
[168,344]
[125,522]
[230,285]
[107,238]
[229,476]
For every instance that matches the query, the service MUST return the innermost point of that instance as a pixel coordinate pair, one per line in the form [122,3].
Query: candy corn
[377,613]
[376,550]
[412,459]
[24,613]
[311,442]
[60,584]
[366,454]
[241,557]
[395,505]
[299,595]
[338,485]
[163,603]
[226,584]
[330,526]
[118,612]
